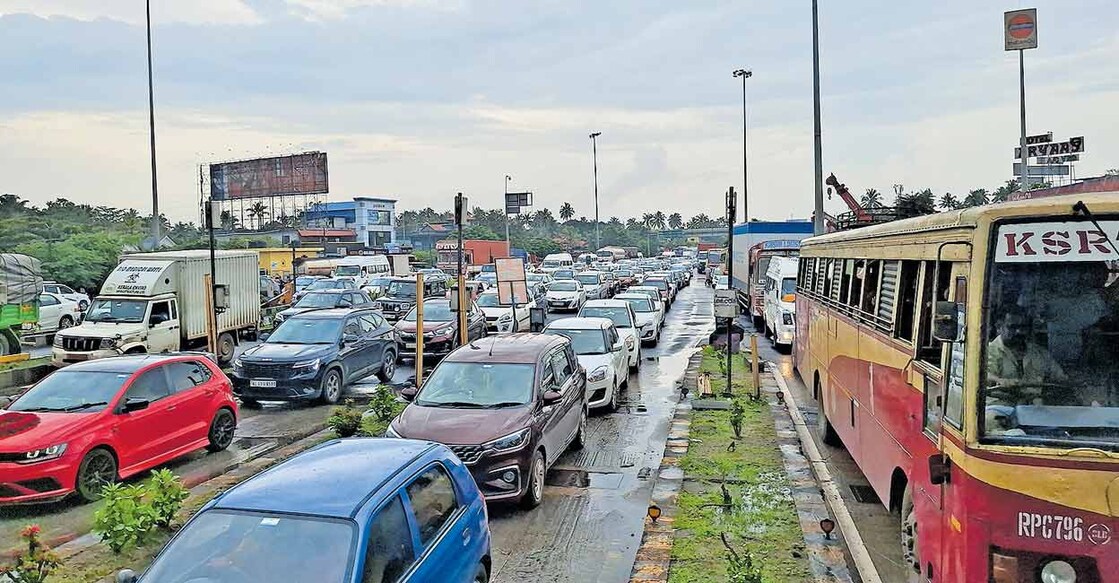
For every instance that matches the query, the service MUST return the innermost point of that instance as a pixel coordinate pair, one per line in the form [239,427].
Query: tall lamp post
[505,201]
[594,155]
[151,132]
[745,185]
[817,144]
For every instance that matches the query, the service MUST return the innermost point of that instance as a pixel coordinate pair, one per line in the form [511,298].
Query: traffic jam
[497,383]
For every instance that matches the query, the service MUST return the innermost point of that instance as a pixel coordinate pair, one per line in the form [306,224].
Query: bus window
[853,299]
[870,286]
[823,276]
[888,297]
[845,280]
[907,299]
[929,350]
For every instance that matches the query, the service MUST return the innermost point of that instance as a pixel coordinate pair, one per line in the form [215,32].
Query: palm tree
[872,199]
[567,211]
[675,221]
[949,202]
[659,220]
[632,223]
[258,211]
[647,220]
[228,221]
[976,197]
[614,222]
[1003,192]
[700,221]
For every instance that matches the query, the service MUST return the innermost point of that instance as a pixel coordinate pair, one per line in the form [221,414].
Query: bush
[35,565]
[166,494]
[345,420]
[384,404]
[737,413]
[126,519]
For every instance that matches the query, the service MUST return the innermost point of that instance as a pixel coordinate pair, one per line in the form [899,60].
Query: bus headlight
[1058,571]
[787,318]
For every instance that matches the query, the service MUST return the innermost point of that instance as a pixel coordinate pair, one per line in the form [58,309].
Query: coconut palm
[659,220]
[675,221]
[976,197]
[949,202]
[567,211]
[871,199]
[258,211]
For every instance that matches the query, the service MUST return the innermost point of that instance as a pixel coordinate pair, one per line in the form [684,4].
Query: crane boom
[841,189]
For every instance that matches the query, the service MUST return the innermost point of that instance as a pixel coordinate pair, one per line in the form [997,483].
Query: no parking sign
[1020,29]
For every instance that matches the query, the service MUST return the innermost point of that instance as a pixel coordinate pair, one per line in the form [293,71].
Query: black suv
[325,299]
[400,296]
[314,355]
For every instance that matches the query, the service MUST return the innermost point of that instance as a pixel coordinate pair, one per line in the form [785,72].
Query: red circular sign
[1021,26]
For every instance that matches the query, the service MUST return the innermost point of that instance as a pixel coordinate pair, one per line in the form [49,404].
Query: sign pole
[460,212]
[1024,180]
[731,200]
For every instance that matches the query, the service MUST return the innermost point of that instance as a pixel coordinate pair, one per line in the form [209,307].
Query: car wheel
[614,395]
[534,492]
[222,429]
[250,403]
[65,322]
[481,575]
[909,551]
[580,439]
[98,468]
[388,366]
[331,387]
[636,364]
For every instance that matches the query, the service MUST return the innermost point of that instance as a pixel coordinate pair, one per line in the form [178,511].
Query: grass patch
[761,519]
[714,365]
[29,363]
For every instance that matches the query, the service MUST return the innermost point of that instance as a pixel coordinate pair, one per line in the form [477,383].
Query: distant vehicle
[780,301]
[400,296]
[565,294]
[103,421]
[611,253]
[304,281]
[489,278]
[664,285]
[653,293]
[19,305]
[377,286]
[57,312]
[524,404]
[346,511]
[760,255]
[314,355]
[721,281]
[587,258]
[556,261]
[602,353]
[624,318]
[501,318]
[320,300]
[594,284]
[363,268]
[66,292]
[154,302]
[434,274]
[440,328]
[326,284]
[626,277]
[650,315]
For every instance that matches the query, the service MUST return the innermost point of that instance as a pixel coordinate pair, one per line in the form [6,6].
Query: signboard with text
[1070,146]
[726,303]
[1066,241]
[1020,29]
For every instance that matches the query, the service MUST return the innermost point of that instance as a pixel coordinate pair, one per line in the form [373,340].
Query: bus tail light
[789,298]
[1004,568]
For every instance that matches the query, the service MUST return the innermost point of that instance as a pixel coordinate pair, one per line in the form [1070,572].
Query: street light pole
[594,154]
[745,185]
[818,207]
[504,201]
[151,132]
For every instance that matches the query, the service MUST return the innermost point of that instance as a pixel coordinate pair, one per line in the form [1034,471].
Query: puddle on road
[584,479]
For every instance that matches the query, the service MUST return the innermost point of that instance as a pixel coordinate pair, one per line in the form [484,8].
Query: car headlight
[311,365]
[629,341]
[597,374]
[511,442]
[391,433]
[237,363]
[1058,572]
[377,306]
[107,343]
[57,343]
[43,454]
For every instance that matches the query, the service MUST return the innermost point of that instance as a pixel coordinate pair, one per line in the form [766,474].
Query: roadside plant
[740,567]
[126,519]
[36,563]
[166,494]
[737,414]
[345,420]
[384,405]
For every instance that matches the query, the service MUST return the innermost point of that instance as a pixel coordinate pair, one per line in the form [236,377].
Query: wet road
[590,523]
[880,529]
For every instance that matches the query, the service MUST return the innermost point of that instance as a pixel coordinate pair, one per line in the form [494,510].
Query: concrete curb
[654,556]
[846,525]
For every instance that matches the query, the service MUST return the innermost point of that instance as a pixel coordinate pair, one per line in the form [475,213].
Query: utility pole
[817,146]
[594,155]
[731,215]
[505,201]
[460,218]
[745,184]
[151,131]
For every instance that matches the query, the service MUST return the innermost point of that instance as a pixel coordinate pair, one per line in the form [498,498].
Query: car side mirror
[617,347]
[552,396]
[349,339]
[5,401]
[409,393]
[263,337]
[946,322]
[940,469]
[134,404]
[126,576]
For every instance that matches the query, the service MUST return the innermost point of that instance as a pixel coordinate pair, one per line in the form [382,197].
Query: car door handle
[466,536]
[170,408]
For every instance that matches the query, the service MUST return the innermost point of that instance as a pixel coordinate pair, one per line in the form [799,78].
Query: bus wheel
[825,430]
[909,552]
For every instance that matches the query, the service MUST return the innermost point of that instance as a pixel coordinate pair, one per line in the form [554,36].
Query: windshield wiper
[503,404]
[451,404]
[81,406]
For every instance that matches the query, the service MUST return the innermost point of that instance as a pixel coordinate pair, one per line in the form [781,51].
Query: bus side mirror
[940,469]
[946,322]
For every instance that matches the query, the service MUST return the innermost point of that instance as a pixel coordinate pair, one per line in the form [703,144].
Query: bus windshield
[347,270]
[1052,364]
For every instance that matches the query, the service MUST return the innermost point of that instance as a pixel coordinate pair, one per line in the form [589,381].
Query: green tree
[675,221]
[949,202]
[872,199]
[481,233]
[659,220]
[976,197]
[258,211]
[914,204]
[566,211]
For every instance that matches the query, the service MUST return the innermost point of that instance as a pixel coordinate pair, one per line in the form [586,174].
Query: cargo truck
[21,282]
[156,302]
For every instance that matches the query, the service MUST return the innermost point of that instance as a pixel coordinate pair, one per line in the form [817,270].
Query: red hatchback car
[104,420]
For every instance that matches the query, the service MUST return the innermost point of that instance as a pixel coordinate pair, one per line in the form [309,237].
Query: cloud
[338,9]
[132,11]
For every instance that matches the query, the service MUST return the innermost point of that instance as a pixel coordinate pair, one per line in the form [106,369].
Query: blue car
[356,510]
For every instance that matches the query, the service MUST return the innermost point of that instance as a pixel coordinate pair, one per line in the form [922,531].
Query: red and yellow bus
[969,362]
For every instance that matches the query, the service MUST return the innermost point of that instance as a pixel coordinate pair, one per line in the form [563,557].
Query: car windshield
[488,301]
[221,546]
[436,311]
[788,286]
[585,342]
[563,286]
[722,280]
[1051,374]
[70,390]
[563,274]
[402,288]
[477,385]
[326,284]
[304,281]
[117,311]
[640,305]
[657,283]
[307,331]
[588,279]
[319,300]
[551,263]
[623,273]
[616,314]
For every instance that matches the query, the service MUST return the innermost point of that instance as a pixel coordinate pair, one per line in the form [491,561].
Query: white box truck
[156,302]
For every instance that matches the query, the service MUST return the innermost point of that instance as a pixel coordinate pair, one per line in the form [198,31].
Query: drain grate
[864,494]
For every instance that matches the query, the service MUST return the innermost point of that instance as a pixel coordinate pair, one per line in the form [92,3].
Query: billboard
[264,177]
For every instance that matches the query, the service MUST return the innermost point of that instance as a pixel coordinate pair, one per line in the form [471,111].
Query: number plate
[264,384]
[409,345]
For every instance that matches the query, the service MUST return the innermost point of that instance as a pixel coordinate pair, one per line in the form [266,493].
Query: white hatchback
[602,351]
[625,320]
[650,316]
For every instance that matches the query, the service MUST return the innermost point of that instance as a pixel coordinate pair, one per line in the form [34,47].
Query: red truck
[476,253]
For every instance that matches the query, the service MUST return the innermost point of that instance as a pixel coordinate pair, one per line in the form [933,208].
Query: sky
[419,99]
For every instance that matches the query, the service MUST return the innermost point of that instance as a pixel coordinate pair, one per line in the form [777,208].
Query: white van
[363,268]
[557,261]
[779,304]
